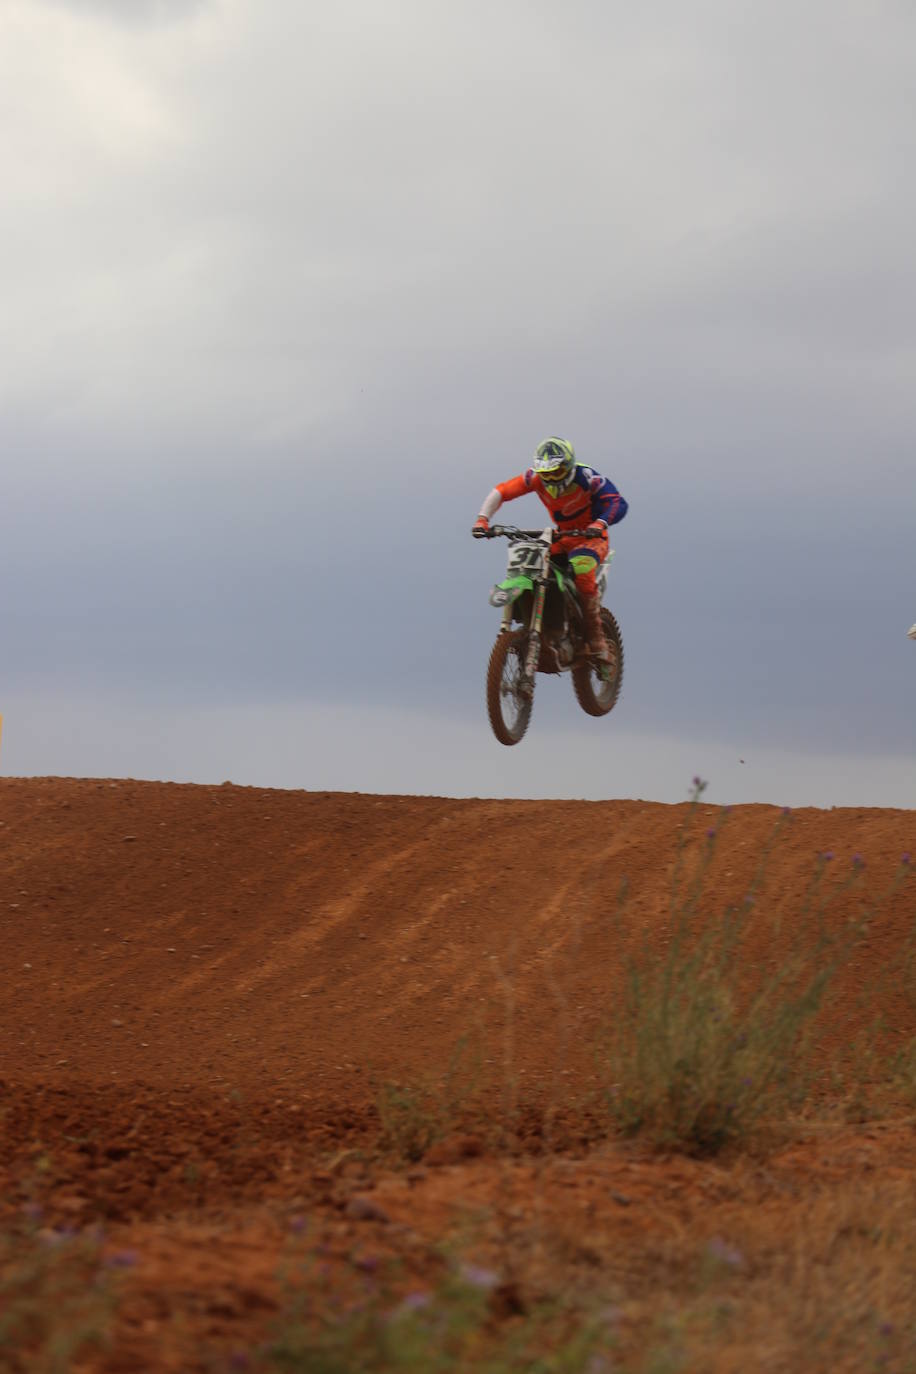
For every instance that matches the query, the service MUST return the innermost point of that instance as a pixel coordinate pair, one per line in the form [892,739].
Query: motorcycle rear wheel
[509,710]
[596,694]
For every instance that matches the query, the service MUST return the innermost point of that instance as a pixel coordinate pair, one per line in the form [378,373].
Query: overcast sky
[287,287]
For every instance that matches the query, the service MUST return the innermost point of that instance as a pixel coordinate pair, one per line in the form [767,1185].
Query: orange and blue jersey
[587,499]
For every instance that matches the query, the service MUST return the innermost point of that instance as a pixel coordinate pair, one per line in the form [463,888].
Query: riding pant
[585,558]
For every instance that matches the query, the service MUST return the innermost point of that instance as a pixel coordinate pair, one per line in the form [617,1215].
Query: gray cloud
[131,11]
[288,288]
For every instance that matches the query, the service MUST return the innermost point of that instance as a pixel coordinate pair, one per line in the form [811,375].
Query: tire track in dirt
[178,933]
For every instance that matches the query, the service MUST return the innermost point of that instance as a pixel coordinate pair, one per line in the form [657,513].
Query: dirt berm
[204,989]
[183,935]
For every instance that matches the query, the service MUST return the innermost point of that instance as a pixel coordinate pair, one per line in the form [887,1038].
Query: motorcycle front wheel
[597,691]
[508,706]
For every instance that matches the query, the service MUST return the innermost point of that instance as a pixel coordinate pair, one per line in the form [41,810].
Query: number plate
[526,558]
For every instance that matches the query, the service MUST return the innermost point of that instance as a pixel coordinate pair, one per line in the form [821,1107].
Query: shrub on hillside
[703,1044]
[414,1114]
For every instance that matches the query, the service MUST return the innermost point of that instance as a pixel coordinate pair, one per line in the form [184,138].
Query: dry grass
[827,1286]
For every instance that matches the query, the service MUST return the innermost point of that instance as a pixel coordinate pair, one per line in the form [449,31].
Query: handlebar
[513,532]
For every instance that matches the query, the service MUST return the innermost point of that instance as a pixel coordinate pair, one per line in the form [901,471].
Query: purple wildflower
[905,858]
[298,1224]
[827,856]
[787,810]
[414,1302]
[59,1236]
[121,1259]
[711,833]
[858,861]
[478,1277]
[720,1250]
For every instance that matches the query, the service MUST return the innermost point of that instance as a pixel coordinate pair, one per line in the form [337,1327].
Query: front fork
[534,635]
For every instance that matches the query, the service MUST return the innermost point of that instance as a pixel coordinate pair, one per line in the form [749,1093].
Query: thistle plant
[703,1044]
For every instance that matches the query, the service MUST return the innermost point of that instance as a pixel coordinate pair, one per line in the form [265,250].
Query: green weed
[56,1301]
[451,1328]
[413,1115]
[706,1040]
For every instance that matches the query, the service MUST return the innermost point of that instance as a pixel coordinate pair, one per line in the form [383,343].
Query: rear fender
[603,574]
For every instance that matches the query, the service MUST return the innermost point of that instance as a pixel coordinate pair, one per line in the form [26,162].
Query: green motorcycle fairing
[513,587]
[506,592]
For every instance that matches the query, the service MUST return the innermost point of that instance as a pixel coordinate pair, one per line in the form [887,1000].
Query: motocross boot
[594,629]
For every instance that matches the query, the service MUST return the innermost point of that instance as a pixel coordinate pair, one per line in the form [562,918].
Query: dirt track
[204,985]
[182,935]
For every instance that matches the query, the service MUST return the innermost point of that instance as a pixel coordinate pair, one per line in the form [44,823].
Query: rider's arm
[608,506]
[505,491]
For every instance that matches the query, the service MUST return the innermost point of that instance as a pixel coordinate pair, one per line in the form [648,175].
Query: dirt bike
[539,592]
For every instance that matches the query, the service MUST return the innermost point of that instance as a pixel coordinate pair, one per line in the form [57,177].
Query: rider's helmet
[555,463]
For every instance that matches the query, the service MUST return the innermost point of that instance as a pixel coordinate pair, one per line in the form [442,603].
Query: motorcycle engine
[564,651]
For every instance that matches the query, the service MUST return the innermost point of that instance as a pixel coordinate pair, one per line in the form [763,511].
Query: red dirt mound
[204,987]
[173,934]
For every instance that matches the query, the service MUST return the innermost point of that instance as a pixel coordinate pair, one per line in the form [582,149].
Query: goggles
[554,474]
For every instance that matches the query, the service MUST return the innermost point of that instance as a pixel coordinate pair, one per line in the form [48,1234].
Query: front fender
[506,592]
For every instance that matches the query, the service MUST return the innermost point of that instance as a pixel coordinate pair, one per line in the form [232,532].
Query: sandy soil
[204,988]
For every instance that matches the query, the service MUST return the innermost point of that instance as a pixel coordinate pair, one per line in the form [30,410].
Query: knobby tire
[595,696]
[510,644]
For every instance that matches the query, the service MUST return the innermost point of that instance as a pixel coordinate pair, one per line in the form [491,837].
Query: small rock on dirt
[364,1209]
[453,1149]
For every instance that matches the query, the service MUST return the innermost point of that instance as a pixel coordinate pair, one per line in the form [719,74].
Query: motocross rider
[577,497]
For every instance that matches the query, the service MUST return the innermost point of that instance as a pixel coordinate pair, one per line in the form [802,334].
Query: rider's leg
[584,560]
